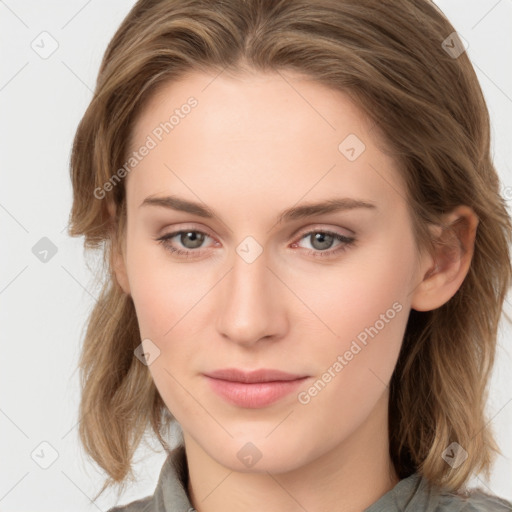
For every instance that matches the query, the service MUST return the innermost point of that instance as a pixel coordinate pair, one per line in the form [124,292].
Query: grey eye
[191,239]
[321,241]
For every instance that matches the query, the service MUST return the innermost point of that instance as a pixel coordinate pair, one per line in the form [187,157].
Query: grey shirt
[412,494]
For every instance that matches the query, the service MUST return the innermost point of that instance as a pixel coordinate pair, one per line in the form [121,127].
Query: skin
[252,147]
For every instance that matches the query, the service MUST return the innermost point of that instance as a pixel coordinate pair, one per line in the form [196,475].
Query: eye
[189,238]
[321,241]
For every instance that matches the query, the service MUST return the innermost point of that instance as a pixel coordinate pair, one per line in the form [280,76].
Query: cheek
[365,303]
[159,290]
[370,282]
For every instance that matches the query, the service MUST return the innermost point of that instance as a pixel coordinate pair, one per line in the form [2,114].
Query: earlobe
[446,270]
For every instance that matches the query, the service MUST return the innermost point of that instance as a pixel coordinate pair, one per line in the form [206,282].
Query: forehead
[266,133]
[227,100]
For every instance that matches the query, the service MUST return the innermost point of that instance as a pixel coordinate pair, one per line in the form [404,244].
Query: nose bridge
[250,308]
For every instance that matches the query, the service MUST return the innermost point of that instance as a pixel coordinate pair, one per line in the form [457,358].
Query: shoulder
[473,500]
[476,501]
[416,494]
[142,505]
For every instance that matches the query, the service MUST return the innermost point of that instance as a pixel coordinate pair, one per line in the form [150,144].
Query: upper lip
[261,375]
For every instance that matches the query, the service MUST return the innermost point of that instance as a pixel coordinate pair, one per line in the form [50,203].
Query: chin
[261,455]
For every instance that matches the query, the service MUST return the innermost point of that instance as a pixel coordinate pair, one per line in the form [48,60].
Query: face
[253,282]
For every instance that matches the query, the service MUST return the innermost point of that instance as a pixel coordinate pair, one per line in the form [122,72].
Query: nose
[252,305]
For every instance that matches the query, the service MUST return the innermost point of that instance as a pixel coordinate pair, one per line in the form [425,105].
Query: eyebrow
[294,213]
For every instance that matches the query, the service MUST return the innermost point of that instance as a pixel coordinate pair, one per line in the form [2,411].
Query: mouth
[253,389]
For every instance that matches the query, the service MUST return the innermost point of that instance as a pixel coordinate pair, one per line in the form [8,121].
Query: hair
[427,105]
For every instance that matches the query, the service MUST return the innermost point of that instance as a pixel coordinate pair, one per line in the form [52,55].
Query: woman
[307,256]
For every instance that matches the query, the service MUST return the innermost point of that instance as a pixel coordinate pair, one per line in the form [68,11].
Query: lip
[253,389]
[253,376]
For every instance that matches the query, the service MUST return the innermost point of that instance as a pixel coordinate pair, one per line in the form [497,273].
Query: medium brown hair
[390,58]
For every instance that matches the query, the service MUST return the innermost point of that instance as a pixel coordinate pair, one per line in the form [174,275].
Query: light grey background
[44,306]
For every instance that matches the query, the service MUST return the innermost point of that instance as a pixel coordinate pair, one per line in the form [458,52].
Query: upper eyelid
[316,224]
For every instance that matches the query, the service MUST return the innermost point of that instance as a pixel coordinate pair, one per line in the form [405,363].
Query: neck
[349,478]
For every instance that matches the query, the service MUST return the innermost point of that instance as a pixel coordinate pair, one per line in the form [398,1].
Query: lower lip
[255,395]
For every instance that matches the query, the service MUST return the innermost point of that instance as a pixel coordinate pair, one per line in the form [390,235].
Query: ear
[117,258]
[444,272]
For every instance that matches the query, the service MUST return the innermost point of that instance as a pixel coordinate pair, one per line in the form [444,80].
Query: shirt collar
[171,493]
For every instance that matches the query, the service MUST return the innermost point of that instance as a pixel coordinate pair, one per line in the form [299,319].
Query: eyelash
[346,243]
